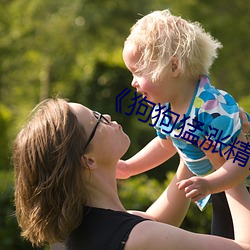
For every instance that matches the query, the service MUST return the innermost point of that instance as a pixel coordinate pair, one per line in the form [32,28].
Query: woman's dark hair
[49,180]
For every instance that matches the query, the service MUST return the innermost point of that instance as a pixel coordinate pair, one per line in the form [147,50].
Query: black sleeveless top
[102,229]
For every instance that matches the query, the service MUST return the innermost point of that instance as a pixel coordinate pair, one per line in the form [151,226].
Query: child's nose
[134,83]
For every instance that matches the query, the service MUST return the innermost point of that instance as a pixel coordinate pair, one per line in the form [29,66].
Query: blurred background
[72,48]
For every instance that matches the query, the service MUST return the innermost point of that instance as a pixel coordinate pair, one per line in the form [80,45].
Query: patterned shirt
[212,116]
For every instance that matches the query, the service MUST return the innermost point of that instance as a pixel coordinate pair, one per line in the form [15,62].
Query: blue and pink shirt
[213,116]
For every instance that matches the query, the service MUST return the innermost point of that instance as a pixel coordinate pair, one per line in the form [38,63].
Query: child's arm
[153,154]
[229,175]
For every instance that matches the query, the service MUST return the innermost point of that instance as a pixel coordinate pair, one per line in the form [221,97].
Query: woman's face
[109,138]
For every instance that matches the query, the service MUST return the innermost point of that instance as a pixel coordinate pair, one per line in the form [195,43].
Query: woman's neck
[102,189]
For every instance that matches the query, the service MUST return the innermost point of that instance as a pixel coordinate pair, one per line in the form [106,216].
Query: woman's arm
[171,207]
[160,236]
[239,203]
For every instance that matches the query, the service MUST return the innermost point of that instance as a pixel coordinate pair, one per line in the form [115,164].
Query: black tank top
[102,229]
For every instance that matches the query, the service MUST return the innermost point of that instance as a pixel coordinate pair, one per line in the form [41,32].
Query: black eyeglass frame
[100,118]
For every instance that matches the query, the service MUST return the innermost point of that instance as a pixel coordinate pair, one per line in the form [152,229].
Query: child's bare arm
[153,154]
[227,176]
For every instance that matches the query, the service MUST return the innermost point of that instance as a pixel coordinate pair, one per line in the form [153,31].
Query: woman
[65,188]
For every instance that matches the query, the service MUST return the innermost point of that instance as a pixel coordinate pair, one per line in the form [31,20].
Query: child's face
[153,91]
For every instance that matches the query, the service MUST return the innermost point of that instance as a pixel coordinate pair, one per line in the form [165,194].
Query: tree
[72,48]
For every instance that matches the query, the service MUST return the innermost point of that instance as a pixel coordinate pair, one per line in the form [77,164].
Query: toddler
[170,59]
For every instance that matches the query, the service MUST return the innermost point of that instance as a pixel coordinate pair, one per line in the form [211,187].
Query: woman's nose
[108,117]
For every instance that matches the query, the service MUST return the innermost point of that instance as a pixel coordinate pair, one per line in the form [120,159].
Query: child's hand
[194,187]
[245,122]
[122,170]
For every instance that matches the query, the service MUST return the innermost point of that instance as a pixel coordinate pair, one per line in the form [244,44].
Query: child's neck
[182,100]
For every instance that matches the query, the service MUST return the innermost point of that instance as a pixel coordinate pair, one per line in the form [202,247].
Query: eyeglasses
[100,118]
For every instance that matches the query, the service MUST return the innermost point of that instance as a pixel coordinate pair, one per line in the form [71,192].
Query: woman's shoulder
[110,227]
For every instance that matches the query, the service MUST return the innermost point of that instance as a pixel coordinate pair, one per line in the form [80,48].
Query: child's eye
[137,73]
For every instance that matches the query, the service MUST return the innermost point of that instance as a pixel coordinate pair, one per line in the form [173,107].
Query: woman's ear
[175,66]
[89,161]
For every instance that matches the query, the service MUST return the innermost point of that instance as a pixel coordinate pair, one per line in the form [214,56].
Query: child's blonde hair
[161,36]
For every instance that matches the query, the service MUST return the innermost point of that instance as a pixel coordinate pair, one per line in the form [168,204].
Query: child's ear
[175,66]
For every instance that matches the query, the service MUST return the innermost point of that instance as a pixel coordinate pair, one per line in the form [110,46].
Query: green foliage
[139,192]
[9,231]
[5,124]
[197,221]
[244,102]
[73,48]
